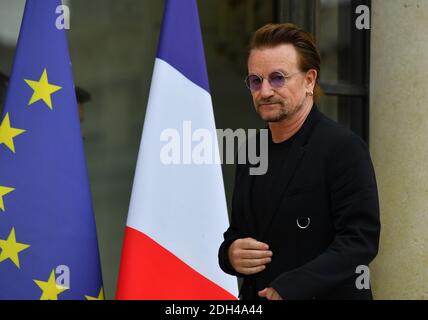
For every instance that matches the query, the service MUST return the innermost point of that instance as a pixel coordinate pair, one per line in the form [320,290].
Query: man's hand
[270,294]
[249,256]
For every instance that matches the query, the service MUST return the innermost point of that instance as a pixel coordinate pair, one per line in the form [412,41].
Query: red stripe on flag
[150,272]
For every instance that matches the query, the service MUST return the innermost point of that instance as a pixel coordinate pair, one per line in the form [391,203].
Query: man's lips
[268,105]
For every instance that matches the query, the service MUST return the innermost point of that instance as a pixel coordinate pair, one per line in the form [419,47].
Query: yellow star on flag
[100,296]
[4,191]
[42,89]
[7,133]
[50,289]
[10,248]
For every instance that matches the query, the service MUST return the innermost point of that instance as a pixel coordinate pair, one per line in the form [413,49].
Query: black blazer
[329,183]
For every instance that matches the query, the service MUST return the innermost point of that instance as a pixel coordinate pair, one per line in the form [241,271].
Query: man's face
[278,104]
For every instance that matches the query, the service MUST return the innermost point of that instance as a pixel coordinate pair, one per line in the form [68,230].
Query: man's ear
[311,79]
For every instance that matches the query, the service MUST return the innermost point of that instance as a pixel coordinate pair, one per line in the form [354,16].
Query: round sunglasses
[276,80]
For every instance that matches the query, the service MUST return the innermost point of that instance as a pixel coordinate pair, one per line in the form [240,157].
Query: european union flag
[48,243]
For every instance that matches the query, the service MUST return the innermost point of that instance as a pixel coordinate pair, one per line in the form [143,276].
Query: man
[82,96]
[301,230]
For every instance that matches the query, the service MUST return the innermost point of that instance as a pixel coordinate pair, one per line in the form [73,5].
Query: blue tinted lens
[276,79]
[254,82]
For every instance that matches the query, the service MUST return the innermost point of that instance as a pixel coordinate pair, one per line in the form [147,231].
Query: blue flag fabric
[48,242]
[180,42]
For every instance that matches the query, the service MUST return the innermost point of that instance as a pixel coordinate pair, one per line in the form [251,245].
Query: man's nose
[266,90]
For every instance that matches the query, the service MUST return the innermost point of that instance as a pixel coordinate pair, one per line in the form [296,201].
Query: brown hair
[272,35]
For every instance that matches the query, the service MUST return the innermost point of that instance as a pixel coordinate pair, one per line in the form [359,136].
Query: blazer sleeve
[355,214]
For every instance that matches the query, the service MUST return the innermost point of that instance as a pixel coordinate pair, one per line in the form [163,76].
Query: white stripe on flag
[182,207]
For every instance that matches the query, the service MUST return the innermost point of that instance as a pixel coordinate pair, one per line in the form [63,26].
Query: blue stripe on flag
[181,41]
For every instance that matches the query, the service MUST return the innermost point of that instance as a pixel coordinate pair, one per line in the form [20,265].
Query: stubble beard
[283,113]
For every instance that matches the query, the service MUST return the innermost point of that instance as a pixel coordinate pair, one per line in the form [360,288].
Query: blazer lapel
[245,181]
[294,158]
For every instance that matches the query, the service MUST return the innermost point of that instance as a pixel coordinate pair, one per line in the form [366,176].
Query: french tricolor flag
[177,212]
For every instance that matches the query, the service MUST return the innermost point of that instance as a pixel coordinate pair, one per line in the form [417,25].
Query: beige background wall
[399,145]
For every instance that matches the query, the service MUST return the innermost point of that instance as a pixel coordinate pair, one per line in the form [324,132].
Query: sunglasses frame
[286,77]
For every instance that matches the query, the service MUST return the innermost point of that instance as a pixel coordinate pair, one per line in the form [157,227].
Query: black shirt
[262,186]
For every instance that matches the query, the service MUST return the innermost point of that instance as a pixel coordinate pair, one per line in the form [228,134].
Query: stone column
[399,145]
